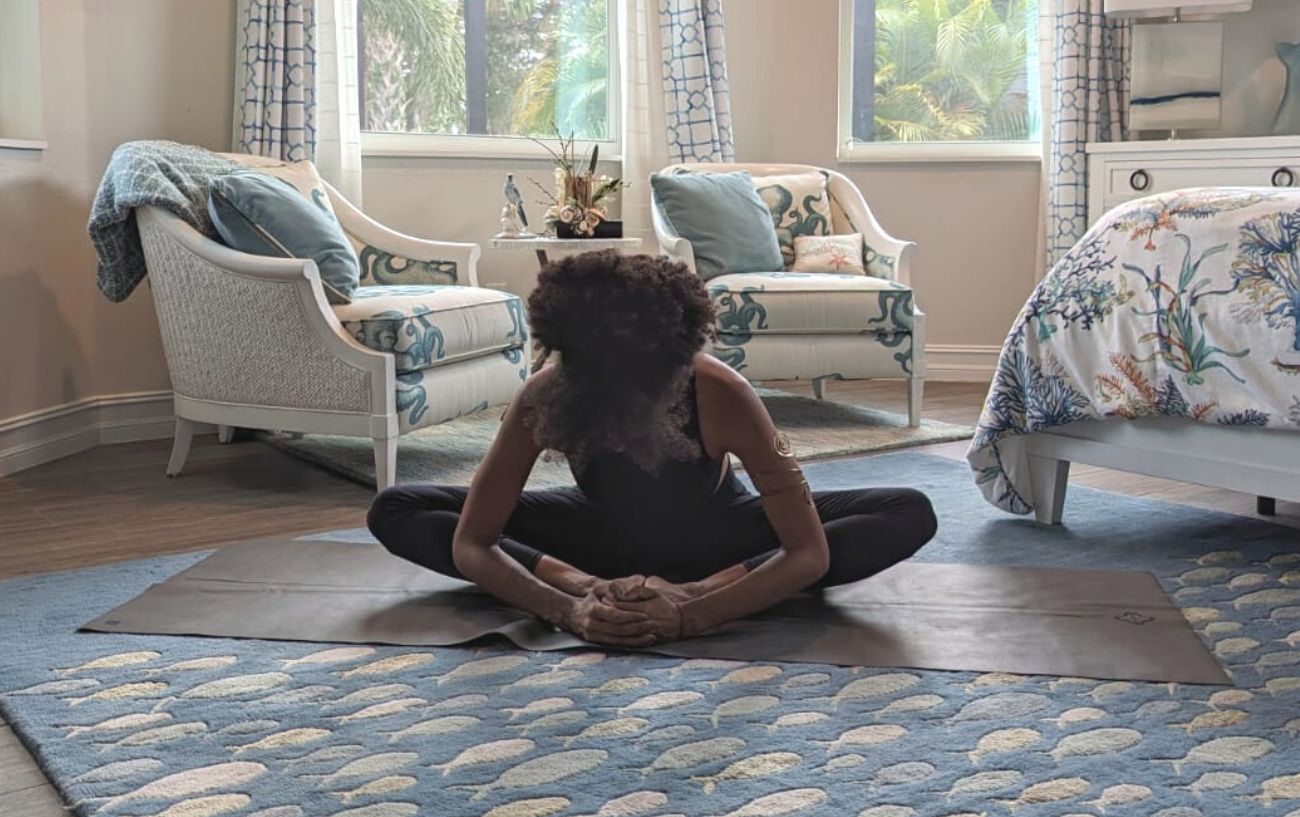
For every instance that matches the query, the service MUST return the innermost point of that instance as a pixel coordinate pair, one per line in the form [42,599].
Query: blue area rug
[188,727]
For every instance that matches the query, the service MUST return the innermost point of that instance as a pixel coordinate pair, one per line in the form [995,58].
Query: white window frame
[20,76]
[847,149]
[479,146]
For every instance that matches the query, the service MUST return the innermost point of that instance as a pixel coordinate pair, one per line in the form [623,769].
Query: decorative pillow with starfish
[829,253]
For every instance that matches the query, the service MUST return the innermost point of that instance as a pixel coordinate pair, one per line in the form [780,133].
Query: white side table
[541,244]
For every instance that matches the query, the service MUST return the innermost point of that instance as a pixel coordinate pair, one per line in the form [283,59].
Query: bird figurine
[513,196]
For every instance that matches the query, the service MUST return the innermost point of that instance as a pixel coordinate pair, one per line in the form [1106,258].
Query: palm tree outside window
[939,71]
[505,68]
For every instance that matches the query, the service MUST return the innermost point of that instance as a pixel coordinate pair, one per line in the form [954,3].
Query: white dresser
[1121,171]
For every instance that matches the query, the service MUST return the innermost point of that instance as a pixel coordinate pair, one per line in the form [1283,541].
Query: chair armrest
[901,252]
[387,255]
[254,330]
[885,256]
[227,260]
[670,243]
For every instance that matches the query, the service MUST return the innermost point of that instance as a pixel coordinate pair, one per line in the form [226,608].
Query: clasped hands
[634,611]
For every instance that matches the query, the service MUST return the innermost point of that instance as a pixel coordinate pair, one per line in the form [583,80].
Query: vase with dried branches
[581,199]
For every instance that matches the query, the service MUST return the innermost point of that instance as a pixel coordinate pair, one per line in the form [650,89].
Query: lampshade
[1176,76]
[1137,9]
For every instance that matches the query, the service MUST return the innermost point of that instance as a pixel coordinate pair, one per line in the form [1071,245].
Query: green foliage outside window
[546,65]
[954,70]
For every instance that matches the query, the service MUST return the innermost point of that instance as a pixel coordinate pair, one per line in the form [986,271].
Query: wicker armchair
[783,325]
[251,341]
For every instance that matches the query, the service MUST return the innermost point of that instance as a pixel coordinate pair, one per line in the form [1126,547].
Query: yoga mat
[1033,621]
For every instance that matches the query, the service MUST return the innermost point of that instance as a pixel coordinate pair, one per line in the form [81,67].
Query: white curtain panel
[1089,103]
[697,94]
[338,114]
[1046,73]
[275,79]
[645,149]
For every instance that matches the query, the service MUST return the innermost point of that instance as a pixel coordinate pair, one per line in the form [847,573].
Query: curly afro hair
[626,328]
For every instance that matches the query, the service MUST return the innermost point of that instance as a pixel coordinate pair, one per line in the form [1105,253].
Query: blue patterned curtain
[1090,87]
[697,96]
[275,79]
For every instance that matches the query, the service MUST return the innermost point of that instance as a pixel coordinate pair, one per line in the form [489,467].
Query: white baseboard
[49,434]
[960,364]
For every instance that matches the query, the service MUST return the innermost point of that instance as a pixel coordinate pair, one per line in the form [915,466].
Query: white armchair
[783,325]
[252,342]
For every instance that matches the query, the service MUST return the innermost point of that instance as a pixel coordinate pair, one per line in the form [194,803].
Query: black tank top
[620,486]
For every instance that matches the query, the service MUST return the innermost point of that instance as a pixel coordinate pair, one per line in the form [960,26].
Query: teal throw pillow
[728,225]
[263,215]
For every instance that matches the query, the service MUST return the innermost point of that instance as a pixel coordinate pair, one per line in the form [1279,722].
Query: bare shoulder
[519,411]
[537,380]
[718,384]
[731,413]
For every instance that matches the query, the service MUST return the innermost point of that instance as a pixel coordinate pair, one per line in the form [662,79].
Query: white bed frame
[1260,461]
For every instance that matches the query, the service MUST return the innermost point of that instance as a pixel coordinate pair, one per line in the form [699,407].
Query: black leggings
[868,530]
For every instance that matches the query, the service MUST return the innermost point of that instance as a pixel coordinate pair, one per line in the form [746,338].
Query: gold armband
[785,477]
[801,485]
[780,481]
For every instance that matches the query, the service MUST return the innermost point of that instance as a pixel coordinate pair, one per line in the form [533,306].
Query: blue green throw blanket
[172,176]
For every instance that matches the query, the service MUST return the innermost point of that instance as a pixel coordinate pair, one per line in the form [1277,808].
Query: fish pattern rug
[192,727]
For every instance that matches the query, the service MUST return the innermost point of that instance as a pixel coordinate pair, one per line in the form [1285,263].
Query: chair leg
[180,446]
[225,434]
[819,388]
[915,392]
[385,462]
[1048,479]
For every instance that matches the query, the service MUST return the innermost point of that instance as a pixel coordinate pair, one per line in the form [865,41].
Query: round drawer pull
[1283,177]
[1141,180]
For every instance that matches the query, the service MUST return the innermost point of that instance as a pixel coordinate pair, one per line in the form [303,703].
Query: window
[933,79]
[479,77]
[20,75]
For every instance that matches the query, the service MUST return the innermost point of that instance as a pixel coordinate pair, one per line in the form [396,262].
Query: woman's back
[666,497]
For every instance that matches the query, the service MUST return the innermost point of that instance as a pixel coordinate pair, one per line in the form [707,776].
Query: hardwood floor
[24,791]
[114,503]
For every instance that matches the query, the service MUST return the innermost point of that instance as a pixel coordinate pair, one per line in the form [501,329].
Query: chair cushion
[301,174]
[799,205]
[432,396]
[804,357]
[809,303]
[265,215]
[721,214]
[428,326]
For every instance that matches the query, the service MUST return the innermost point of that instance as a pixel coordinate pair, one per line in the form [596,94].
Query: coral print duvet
[1181,304]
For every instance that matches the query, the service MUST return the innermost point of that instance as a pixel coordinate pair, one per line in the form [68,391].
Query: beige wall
[975,264]
[975,224]
[1252,75]
[112,72]
[115,71]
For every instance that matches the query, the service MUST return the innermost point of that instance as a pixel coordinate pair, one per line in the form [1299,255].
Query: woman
[659,540]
